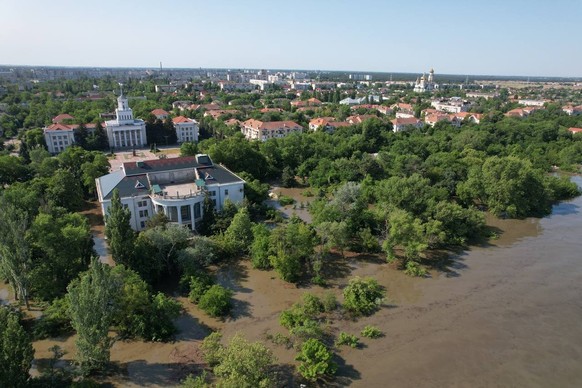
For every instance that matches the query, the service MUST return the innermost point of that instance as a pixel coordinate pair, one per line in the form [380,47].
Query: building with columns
[125,131]
[173,186]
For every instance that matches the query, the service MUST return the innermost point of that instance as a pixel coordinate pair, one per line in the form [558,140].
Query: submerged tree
[16,351]
[92,308]
[118,231]
[15,250]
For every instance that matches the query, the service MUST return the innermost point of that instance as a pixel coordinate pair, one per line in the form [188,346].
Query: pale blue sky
[509,37]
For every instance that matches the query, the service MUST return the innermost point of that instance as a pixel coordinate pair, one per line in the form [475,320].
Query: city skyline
[515,38]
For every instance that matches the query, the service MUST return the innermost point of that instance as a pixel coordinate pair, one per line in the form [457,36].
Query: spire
[120,89]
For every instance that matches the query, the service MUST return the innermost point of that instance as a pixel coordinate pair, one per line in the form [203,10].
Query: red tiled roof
[159,112]
[181,119]
[63,116]
[575,130]
[262,126]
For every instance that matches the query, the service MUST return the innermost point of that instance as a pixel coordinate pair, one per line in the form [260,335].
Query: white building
[424,84]
[59,136]
[400,124]
[259,130]
[451,105]
[186,129]
[526,102]
[174,186]
[125,131]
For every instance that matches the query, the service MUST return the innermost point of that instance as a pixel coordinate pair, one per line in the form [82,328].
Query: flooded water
[299,208]
[504,315]
[95,219]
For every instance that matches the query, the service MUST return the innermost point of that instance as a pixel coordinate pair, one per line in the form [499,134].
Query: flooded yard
[504,314]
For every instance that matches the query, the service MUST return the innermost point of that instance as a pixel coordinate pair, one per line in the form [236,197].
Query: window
[143,213]
[226,192]
[240,190]
[212,193]
[142,224]
[142,203]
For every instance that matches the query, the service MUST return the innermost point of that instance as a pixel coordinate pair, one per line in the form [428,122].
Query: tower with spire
[125,131]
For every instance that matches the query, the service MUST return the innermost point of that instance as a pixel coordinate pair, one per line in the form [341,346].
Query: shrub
[312,305]
[347,339]
[368,243]
[414,269]
[285,200]
[315,361]
[371,332]
[199,285]
[308,328]
[292,317]
[55,320]
[362,296]
[329,302]
[216,301]
[211,348]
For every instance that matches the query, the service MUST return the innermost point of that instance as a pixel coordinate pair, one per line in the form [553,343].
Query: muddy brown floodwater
[504,315]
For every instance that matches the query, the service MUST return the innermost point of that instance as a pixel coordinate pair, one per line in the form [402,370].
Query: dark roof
[129,186]
[155,165]
[217,174]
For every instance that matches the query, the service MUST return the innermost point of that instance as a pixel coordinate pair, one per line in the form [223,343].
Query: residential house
[359,119]
[572,110]
[258,130]
[160,114]
[575,130]
[399,124]
[62,117]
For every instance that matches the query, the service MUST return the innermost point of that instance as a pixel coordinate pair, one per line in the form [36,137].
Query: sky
[492,37]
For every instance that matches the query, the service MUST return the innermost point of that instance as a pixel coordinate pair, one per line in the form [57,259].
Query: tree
[158,249]
[244,364]
[316,360]
[92,307]
[239,234]
[65,190]
[16,351]
[216,301]
[260,247]
[118,231]
[291,245]
[362,296]
[208,217]
[15,260]
[62,247]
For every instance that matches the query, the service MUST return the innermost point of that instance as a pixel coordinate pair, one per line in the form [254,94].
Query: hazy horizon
[508,39]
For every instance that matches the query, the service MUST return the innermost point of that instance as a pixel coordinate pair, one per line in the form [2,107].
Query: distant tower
[160,66]
[431,76]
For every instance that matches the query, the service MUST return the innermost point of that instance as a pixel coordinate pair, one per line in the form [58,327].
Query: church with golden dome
[424,84]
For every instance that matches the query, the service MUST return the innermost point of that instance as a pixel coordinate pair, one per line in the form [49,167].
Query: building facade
[175,187]
[258,130]
[125,131]
[186,129]
[59,136]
